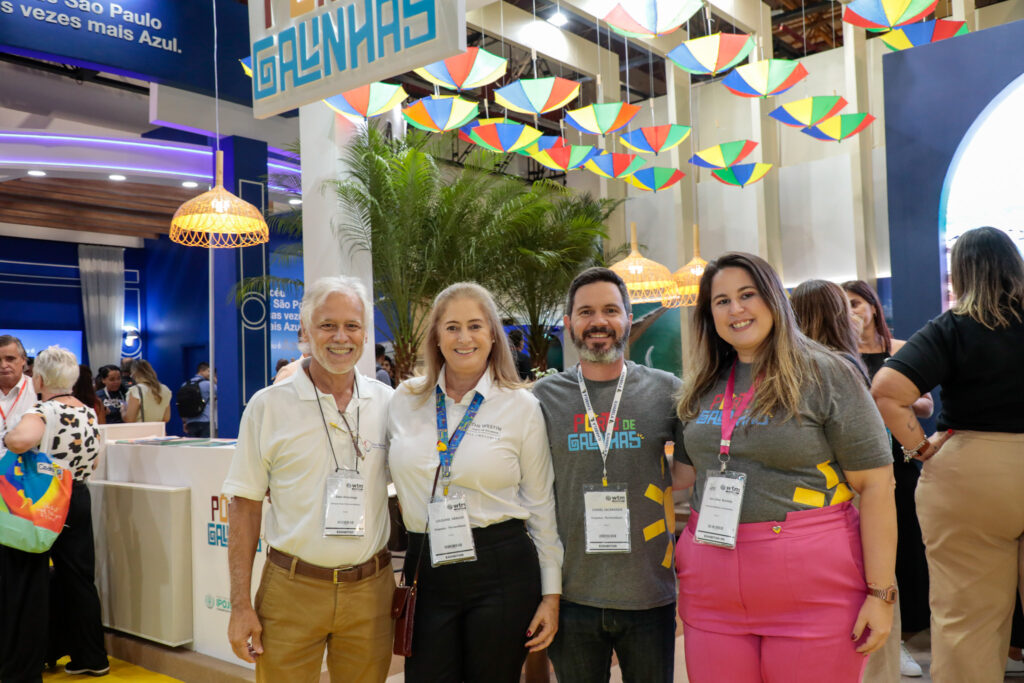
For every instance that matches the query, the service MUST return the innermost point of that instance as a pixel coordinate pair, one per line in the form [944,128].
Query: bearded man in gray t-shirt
[613,494]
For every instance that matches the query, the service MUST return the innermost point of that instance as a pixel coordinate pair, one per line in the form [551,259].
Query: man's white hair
[317,293]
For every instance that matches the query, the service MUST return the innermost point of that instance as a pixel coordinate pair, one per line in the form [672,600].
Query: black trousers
[26,599]
[471,617]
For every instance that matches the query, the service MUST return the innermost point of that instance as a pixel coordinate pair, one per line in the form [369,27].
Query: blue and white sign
[306,50]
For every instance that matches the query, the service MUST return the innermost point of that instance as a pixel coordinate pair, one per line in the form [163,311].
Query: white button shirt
[282,444]
[503,465]
[15,403]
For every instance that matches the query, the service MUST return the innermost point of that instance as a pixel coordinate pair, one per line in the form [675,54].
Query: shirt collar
[307,391]
[17,387]
[483,386]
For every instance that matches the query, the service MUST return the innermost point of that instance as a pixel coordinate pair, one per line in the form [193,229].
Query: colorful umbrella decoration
[741,174]
[654,139]
[650,18]
[885,14]
[471,69]
[464,130]
[440,113]
[504,137]
[537,95]
[913,35]
[655,178]
[565,158]
[723,155]
[246,63]
[367,100]
[613,165]
[764,78]
[840,127]
[808,111]
[601,119]
[544,142]
[712,54]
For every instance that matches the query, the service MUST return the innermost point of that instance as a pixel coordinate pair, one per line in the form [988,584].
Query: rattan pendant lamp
[647,281]
[688,277]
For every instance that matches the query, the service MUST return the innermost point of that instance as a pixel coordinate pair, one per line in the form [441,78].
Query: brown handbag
[403,604]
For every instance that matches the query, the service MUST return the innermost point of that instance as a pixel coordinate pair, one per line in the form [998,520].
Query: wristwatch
[911,453]
[887,594]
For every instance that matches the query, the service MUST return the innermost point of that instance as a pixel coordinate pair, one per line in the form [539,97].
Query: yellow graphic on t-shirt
[816,499]
[660,527]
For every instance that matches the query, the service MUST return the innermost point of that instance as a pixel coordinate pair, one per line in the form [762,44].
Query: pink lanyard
[730,418]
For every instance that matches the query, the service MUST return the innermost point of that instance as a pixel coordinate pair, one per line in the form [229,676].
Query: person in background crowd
[281,362]
[148,400]
[389,366]
[127,381]
[16,392]
[523,364]
[969,498]
[327,581]
[779,577]
[65,429]
[383,376]
[29,362]
[494,596]
[290,369]
[875,345]
[111,393]
[86,393]
[199,427]
[823,314]
[608,421]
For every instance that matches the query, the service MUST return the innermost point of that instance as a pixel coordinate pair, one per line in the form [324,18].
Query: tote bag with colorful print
[34,496]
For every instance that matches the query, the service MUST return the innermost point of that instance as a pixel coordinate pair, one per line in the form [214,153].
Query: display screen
[35,341]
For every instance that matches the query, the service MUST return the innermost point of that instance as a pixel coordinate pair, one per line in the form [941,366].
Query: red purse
[403,604]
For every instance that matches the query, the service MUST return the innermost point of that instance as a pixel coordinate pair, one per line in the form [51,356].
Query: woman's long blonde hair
[501,364]
[987,273]
[143,373]
[782,358]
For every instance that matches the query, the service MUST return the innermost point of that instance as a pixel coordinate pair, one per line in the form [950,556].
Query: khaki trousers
[970,501]
[301,615]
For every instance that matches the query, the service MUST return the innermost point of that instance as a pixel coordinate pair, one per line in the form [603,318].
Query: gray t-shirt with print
[797,464]
[643,578]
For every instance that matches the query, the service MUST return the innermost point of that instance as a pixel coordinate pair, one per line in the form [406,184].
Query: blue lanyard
[446,447]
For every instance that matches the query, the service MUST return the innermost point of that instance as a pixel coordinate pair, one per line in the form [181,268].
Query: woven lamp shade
[218,219]
[688,277]
[647,281]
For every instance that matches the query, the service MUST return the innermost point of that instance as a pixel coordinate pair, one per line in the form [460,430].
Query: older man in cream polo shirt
[316,442]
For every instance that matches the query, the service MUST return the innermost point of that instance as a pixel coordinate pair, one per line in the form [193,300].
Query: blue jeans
[644,640]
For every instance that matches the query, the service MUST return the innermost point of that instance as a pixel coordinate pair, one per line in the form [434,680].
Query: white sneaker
[1014,667]
[908,667]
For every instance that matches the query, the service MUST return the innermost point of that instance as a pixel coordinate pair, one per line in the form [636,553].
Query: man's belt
[332,574]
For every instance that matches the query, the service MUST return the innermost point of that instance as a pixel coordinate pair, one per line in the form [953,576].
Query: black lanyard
[354,437]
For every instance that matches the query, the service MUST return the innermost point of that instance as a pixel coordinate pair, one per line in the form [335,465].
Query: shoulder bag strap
[426,530]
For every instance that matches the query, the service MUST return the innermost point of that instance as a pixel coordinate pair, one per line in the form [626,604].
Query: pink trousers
[781,606]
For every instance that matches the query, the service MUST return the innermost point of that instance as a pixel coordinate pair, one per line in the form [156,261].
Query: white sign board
[307,50]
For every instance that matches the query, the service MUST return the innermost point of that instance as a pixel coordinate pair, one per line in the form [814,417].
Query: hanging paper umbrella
[537,95]
[723,155]
[365,101]
[601,119]
[246,63]
[933,31]
[471,69]
[741,174]
[504,137]
[565,158]
[840,127]
[650,18]
[611,165]
[764,78]
[542,143]
[885,14]
[808,111]
[712,54]
[655,178]
[440,113]
[654,139]
[464,130]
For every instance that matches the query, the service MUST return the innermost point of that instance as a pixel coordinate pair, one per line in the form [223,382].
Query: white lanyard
[604,441]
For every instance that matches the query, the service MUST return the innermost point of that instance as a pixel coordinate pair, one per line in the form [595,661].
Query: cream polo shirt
[503,465]
[15,404]
[282,445]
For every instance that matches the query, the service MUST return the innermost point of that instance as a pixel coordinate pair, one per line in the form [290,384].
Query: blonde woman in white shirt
[490,570]
[148,400]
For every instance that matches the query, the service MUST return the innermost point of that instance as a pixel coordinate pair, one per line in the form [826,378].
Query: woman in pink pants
[780,579]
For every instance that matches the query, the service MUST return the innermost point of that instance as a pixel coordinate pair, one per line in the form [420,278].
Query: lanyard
[446,447]
[17,398]
[354,437]
[604,442]
[731,418]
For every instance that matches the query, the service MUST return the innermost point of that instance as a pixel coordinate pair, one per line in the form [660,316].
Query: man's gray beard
[605,357]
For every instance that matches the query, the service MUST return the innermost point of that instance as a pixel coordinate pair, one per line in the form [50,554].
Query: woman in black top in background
[111,392]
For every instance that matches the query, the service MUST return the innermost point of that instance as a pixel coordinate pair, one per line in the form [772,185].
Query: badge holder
[606,517]
[451,538]
[345,504]
[720,508]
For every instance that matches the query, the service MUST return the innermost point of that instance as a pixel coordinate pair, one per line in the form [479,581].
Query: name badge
[720,508]
[345,504]
[451,538]
[606,515]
